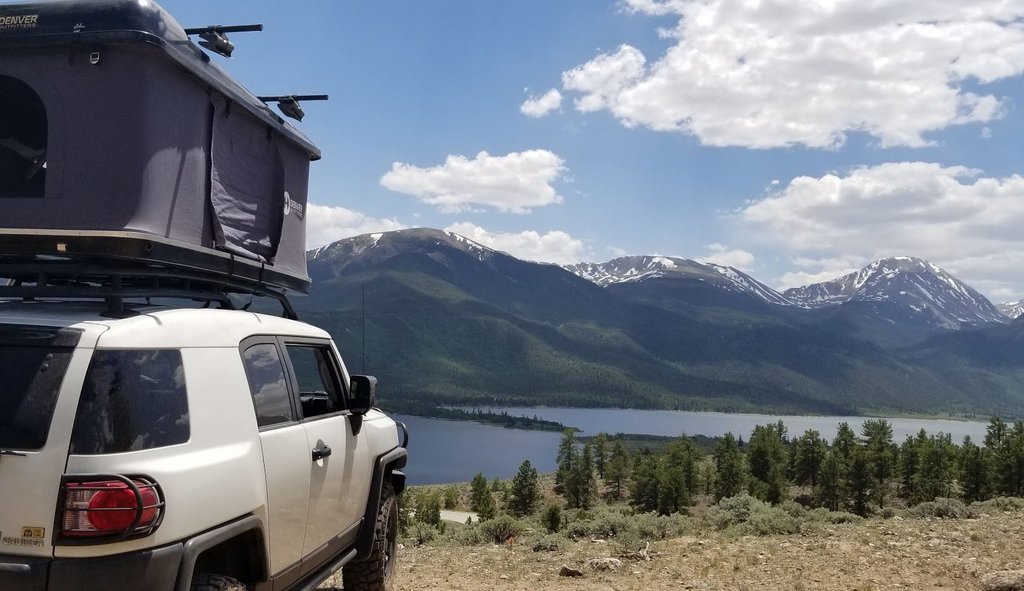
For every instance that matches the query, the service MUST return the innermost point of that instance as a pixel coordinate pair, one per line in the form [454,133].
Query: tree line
[860,472]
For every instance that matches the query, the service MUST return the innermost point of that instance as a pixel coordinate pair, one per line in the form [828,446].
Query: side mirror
[363,388]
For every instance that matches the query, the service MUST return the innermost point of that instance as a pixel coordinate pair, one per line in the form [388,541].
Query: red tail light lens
[110,508]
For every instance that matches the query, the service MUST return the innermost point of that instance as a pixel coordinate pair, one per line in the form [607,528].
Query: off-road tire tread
[211,582]
[367,575]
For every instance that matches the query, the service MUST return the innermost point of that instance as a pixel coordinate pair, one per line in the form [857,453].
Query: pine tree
[566,458]
[617,470]
[881,457]
[829,492]
[808,452]
[643,490]
[859,480]
[524,493]
[975,472]
[601,453]
[910,463]
[937,469]
[729,474]
[478,489]
[768,460]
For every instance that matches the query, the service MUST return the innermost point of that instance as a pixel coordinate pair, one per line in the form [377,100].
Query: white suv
[178,448]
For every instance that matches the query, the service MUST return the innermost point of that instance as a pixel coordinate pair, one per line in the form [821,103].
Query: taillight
[109,508]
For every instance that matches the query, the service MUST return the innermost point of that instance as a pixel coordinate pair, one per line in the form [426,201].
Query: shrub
[735,510]
[500,530]
[999,504]
[550,543]
[823,515]
[944,508]
[421,533]
[770,521]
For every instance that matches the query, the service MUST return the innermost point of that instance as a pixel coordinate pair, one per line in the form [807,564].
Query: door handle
[321,452]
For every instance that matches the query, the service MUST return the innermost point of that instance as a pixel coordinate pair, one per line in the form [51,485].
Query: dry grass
[875,554]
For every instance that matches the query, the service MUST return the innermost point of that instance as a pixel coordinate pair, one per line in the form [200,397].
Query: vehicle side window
[131,400]
[315,376]
[268,384]
[22,140]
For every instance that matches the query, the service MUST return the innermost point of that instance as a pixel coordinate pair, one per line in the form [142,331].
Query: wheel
[377,571]
[211,582]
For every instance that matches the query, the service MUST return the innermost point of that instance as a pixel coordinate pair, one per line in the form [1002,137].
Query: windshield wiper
[11,452]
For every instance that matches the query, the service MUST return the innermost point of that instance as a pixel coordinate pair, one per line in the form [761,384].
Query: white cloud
[779,73]
[539,106]
[720,254]
[552,247]
[516,182]
[952,215]
[325,224]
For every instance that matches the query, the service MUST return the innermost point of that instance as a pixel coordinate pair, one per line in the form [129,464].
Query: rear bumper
[150,570]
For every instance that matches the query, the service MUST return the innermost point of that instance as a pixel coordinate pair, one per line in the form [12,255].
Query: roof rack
[39,277]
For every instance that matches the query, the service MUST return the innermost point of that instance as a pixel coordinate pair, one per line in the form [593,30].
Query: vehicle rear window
[33,362]
[131,400]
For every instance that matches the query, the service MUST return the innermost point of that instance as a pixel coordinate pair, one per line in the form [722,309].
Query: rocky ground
[875,554]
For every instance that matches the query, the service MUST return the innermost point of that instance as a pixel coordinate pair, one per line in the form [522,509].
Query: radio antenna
[364,328]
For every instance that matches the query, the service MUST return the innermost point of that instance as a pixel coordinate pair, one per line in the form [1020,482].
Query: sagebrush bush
[944,508]
[501,530]
[770,521]
[420,533]
[823,515]
[999,504]
[736,510]
[550,543]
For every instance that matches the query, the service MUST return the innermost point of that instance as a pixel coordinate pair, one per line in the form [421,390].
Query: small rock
[1004,580]
[604,563]
[567,571]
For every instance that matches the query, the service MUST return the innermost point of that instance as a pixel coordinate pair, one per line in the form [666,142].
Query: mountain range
[443,320]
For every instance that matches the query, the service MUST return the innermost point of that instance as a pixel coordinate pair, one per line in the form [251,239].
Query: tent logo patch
[22,21]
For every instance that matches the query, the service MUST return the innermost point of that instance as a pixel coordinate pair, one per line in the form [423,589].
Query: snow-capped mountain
[633,269]
[925,289]
[370,248]
[1011,309]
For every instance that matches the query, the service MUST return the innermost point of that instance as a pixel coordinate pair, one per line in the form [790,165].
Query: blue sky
[795,140]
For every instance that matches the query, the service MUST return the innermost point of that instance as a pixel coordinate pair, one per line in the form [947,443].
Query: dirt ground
[876,554]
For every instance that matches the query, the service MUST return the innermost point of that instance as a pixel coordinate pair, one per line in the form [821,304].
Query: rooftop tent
[120,138]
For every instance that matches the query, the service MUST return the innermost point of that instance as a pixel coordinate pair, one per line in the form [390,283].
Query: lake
[454,451]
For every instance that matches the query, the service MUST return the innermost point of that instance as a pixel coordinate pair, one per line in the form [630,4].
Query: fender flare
[388,464]
[209,539]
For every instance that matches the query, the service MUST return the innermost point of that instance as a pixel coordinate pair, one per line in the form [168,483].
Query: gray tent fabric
[247,184]
[145,135]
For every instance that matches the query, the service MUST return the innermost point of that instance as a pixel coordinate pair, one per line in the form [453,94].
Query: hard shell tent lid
[121,138]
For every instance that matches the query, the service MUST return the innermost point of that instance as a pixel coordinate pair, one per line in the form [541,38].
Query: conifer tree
[481,498]
[829,492]
[859,480]
[975,472]
[601,453]
[808,452]
[767,461]
[643,490]
[617,470]
[729,468]
[524,493]
[881,457]
[566,458]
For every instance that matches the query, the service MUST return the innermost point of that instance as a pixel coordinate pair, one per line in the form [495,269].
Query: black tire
[211,582]
[377,571]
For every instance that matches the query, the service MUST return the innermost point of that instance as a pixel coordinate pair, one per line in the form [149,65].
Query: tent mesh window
[22,140]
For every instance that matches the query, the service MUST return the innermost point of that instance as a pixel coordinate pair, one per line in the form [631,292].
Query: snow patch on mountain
[1012,309]
[633,269]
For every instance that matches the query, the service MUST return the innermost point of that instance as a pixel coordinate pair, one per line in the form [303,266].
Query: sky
[796,140]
